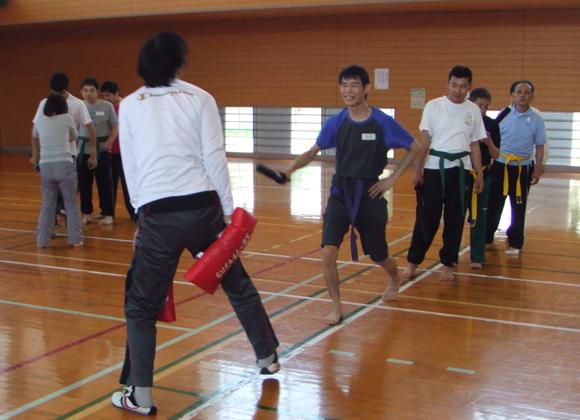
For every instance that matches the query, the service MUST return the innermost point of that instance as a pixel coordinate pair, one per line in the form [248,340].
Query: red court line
[91,337]
[254,274]
[55,351]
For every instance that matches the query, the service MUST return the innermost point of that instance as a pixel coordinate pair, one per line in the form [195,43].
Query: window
[306,123]
[239,129]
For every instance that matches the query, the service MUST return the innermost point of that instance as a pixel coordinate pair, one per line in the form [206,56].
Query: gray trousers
[55,177]
[160,242]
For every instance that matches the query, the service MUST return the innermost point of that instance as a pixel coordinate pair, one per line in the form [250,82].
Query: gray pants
[160,242]
[55,177]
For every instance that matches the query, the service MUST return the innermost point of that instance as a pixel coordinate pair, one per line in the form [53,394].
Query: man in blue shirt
[362,136]
[514,172]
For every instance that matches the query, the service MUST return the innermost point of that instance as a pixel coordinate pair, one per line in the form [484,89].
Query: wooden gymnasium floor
[500,343]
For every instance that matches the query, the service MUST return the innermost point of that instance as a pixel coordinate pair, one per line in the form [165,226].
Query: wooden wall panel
[295,62]
[34,11]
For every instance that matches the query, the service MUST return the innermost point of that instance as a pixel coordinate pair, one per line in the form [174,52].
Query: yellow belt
[474,197]
[513,158]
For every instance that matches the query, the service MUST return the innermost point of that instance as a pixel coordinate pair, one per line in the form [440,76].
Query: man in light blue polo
[514,172]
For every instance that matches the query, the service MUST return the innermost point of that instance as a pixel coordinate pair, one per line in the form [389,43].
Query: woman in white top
[53,131]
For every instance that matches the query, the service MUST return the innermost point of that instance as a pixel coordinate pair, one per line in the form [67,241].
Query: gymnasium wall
[295,61]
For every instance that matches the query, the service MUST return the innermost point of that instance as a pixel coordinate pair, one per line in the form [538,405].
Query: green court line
[452,369]
[75,411]
[180,391]
[297,345]
[15,236]
[403,362]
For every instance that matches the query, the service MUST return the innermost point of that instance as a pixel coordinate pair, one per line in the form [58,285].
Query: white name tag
[100,113]
[369,136]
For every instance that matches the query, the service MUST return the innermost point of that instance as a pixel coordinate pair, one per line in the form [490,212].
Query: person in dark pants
[110,92]
[451,128]
[513,172]
[106,128]
[176,170]
[489,149]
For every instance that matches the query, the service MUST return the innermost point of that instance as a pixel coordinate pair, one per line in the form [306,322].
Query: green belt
[451,157]
[83,140]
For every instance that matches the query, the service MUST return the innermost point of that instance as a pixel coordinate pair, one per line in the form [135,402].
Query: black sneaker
[126,400]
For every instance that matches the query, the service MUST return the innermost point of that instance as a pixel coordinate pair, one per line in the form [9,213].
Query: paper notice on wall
[417,98]
[381,78]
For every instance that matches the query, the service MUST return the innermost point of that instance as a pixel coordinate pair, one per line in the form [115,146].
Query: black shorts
[370,222]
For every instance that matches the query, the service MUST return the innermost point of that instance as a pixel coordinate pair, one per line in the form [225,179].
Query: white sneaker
[99,217]
[126,400]
[87,219]
[106,221]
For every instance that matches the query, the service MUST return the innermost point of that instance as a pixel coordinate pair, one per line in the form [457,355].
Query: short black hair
[109,86]
[55,105]
[479,93]
[90,81]
[460,72]
[519,82]
[59,82]
[160,57]
[354,71]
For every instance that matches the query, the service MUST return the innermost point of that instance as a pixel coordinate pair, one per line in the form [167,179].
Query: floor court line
[106,371]
[371,307]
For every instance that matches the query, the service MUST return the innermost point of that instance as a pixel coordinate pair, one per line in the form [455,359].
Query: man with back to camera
[514,172]
[176,170]
[110,92]
[106,128]
[451,128]
[362,135]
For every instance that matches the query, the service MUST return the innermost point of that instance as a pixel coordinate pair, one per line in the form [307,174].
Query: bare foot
[392,289]
[476,266]
[446,274]
[409,271]
[78,246]
[334,317]
[489,246]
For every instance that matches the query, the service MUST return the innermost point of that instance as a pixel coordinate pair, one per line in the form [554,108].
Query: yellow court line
[534,311]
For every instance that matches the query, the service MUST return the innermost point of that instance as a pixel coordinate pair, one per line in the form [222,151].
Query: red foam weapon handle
[167,314]
[215,262]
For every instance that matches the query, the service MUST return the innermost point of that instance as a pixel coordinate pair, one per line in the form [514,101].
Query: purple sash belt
[352,209]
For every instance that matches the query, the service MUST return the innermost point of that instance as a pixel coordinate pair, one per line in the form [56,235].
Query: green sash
[451,157]
[84,140]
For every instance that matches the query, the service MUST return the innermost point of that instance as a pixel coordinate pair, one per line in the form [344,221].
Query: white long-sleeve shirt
[172,144]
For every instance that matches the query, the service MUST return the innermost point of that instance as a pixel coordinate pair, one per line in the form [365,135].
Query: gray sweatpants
[55,176]
[160,242]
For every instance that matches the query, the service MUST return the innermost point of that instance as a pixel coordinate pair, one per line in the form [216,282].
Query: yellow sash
[513,158]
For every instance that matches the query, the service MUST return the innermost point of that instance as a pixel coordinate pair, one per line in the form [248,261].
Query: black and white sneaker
[126,400]
[272,368]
